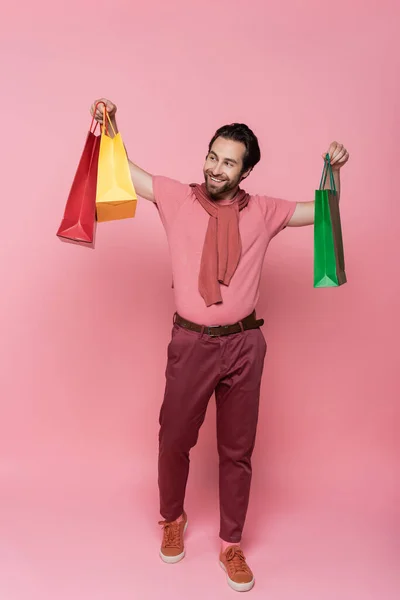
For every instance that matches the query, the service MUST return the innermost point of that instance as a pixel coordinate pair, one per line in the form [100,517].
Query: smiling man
[218,236]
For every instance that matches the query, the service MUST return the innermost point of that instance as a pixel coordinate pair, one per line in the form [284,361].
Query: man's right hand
[110,107]
[142,180]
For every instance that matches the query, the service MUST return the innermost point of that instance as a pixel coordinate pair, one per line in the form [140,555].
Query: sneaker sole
[174,559]
[238,587]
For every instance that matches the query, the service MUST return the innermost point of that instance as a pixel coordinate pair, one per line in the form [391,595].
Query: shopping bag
[115,197]
[78,223]
[329,267]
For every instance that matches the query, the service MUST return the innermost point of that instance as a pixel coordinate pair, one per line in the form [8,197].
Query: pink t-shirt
[186,222]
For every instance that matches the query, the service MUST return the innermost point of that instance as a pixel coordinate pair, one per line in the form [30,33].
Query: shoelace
[236,559]
[172,534]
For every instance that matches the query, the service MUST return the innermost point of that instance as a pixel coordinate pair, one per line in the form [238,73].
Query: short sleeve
[169,195]
[277,213]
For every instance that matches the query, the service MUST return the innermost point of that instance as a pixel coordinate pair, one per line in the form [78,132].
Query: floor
[96,538]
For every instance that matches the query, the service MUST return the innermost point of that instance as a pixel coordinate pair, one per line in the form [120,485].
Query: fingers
[343,159]
[97,109]
[334,151]
[337,154]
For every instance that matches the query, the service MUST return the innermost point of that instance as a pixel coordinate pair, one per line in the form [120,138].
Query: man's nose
[217,169]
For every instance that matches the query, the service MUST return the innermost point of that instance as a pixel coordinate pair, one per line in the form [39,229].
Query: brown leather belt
[249,322]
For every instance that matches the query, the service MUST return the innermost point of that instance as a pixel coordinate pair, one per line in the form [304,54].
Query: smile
[217,180]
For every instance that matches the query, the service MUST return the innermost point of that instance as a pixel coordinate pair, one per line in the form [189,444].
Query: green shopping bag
[328,243]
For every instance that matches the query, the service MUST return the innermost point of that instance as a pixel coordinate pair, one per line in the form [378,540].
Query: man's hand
[142,180]
[338,155]
[304,212]
[110,108]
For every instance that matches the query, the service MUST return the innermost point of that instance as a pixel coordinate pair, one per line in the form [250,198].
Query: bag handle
[106,117]
[94,113]
[327,168]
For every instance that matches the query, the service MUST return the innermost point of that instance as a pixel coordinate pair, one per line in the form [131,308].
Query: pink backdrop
[84,332]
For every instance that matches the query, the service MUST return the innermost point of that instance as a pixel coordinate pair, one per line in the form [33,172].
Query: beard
[217,191]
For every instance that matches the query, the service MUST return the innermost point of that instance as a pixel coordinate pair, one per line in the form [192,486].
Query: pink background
[84,332]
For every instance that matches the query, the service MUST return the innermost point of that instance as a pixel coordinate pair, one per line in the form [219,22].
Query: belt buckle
[209,331]
[221,333]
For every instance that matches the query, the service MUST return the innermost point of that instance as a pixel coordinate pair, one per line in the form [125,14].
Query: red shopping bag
[78,224]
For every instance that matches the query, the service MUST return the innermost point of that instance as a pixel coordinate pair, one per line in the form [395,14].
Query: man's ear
[246,174]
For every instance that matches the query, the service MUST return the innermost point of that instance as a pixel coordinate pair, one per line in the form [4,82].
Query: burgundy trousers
[197,366]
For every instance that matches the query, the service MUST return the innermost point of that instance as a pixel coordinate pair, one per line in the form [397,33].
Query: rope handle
[106,117]
[327,168]
[106,120]
[94,116]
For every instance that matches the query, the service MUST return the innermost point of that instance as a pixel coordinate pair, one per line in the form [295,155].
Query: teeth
[213,178]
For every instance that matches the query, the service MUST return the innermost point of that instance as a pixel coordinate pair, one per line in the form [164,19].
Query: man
[218,236]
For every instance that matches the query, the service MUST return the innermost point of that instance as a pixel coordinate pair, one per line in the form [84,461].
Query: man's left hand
[338,155]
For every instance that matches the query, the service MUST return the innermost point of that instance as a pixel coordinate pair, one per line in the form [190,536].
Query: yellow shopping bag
[115,195]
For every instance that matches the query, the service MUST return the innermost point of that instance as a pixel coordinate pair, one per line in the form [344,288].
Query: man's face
[223,168]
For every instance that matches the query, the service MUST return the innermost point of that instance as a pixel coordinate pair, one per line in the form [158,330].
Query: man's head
[232,154]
